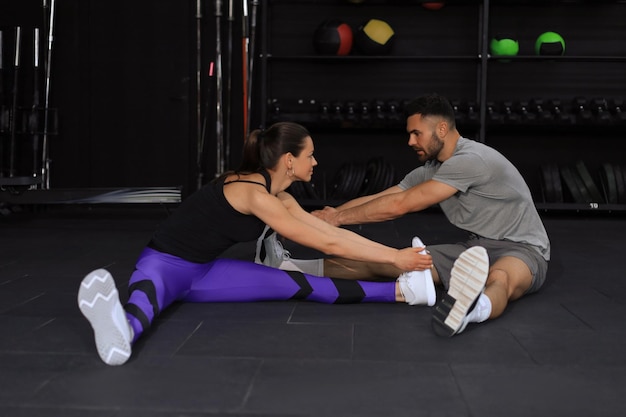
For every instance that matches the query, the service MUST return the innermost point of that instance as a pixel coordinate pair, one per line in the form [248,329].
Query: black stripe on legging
[349,291]
[305,288]
[136,312]
[147,287]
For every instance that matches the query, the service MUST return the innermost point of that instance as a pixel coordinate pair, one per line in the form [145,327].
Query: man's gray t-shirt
[492,201]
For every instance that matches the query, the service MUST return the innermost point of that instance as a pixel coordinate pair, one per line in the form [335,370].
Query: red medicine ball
[333,37]
[433,5]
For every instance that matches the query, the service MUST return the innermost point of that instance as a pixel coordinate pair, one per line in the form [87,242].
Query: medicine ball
[433,5]
[374,37]
[550,43]
[333,37]
[503,45]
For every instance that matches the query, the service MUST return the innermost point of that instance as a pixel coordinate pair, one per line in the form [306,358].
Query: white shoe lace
[285,253]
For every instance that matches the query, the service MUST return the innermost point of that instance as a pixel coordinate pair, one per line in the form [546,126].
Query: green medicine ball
[550,43]
[503,46]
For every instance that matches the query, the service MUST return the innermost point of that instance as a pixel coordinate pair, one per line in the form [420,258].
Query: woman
[180,263]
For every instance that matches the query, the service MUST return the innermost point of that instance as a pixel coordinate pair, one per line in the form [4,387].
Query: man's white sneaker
[418,287]
[99,302]
[467,281]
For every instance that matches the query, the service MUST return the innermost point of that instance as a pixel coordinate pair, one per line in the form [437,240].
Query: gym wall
[123,82]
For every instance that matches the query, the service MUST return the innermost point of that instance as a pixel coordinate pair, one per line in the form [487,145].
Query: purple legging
[161,279]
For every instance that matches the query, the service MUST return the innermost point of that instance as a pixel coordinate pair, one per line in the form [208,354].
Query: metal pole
[218,90]
[229,86]
[13,121]
[206,114]
[245,39]
[34,116]
[199,144]
[2,109]
[484,57]
[45,173]
[255,3]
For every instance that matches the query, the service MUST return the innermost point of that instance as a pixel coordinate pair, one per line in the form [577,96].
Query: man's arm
[367,198]
[388,206]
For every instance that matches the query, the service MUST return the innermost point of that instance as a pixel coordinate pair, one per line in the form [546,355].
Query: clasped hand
[409,259]
[328,214]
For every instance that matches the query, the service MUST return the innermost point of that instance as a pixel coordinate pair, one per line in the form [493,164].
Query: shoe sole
[98,300]
[467,281]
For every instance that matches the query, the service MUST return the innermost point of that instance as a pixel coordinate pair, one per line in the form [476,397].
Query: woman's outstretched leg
[231,280]
[161,279]
[158,280]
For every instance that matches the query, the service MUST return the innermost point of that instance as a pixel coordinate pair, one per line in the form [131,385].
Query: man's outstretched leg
[270,252]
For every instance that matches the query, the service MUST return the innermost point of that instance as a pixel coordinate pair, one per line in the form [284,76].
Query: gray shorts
[445,255]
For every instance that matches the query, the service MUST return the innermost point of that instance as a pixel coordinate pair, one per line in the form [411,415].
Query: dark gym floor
[561,352]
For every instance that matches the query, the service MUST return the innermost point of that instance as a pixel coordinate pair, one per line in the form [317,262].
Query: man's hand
[328,214]
[410,259]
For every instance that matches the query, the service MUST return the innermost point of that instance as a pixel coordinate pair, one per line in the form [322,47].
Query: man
[507,252]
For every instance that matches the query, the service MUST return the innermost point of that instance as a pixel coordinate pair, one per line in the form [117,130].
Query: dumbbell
[365,113]
[324,112]
[274,108]
[472,111]
[555,106]
[616,107]
[600,110]
[350,113]
[393,112]
[378,110]
[459,110]
[581,109]
[492,113]
[509,113]
[336,111]
[523,109]
[539,107]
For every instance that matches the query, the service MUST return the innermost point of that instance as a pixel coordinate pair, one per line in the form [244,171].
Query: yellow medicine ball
[375,37]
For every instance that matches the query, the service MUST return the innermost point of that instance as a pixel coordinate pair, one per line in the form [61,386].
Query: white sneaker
[467,282]
[418,287]
[99,302]
[275,254]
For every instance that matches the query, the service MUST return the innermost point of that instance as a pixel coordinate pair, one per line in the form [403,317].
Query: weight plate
[370,177]
[588,182]
[557,184]
[358,177]
[547,188]
[620,183]
[570,182]
[586,196]
[610,186]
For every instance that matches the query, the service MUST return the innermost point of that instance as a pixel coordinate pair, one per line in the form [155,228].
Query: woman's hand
[409,259]
[328,214]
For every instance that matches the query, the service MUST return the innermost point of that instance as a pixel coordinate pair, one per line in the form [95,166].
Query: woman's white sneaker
[418,287]
[98,300]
